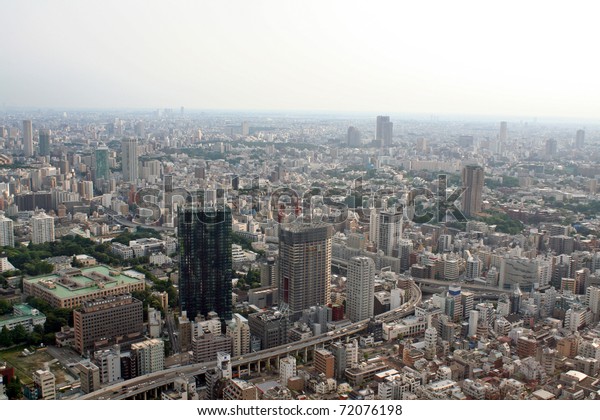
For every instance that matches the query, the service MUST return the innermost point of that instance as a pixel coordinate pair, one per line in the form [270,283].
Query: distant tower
[503,131]
[551,148]
[129,160]
[304,266]
[27,138]
[245,128]
[385,130]
[502,137]
[353,138]
[360,288]
[472,180]
[579,139]
[45,142]
[102,166]
[205,264]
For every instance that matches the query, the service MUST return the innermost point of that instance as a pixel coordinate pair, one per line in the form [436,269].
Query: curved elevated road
[141,384]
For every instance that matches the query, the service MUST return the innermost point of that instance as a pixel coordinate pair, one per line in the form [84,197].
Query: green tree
[19,334]
[5,337]
[14,390]
[5,307]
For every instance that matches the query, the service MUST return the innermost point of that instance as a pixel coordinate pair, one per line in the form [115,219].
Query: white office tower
[576,317]
[287,369]
[239,331]
[150,356]
[374,227]
[45,381]
[445,243]
[473,320]
[430,343]
[390,231]
[592,299]
[224,365]
[42,228]
[129,160]
[109,363]
[27,138]
[154,323]
[7,234]
[473,268]
[360,288]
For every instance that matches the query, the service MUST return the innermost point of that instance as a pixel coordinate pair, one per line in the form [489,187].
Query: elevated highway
[151,384]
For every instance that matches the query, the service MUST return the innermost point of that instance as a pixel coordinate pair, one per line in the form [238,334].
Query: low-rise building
[70,288]
[24,315]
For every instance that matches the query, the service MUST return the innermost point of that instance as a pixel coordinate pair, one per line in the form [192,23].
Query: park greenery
[250,280]
[503,222]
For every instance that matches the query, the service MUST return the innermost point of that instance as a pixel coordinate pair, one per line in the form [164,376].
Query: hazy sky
[477,57]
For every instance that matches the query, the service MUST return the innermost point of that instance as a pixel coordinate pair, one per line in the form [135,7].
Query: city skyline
[430,58]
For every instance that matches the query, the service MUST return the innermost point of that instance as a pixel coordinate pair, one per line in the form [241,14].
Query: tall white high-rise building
[109,364]
[27,138]
[239,331]
[86,189]
[150,356]
[7,234]
[287,369]
[592,299]
[430,343]
[390,231]
[473,321]
[360,288]
[473,267]
[42,228]
[374,226]
[129,160]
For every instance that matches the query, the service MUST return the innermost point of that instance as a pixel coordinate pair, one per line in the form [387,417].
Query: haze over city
[451,58]
[366,205]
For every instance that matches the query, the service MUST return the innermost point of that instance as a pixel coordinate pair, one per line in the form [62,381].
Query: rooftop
[81,282]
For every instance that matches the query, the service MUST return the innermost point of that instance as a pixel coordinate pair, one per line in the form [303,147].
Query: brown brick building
[106,321]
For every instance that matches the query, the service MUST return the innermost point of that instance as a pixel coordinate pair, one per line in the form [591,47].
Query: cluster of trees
[29,259]
[250,280]
[503,223]
[245,243]
[14,389]
[507,182]
[55,318]
[140,233]
[20,335]
[5,307]
[157,286]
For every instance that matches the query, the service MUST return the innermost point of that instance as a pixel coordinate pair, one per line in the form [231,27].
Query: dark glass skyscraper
[205,261]
[102,164]
[45,142]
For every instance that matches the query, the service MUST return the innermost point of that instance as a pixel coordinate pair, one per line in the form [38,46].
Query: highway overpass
[151,384]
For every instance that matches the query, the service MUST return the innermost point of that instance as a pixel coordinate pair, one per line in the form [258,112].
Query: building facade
[106,321]
[205,262]
[304,266]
